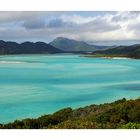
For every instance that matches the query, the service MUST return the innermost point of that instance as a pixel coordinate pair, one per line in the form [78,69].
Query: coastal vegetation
[132,51]
[121,114]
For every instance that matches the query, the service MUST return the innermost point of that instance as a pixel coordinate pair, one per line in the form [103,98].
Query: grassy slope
[119,114]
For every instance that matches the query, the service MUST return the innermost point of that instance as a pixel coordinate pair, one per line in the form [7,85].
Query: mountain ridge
[67,44]
[10,47]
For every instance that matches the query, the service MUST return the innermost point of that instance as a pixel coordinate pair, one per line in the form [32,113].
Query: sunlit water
[33,85]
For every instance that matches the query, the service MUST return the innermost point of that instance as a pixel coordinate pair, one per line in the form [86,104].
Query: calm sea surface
[33,85]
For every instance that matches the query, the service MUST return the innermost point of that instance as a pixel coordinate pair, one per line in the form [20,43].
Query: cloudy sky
[91,27]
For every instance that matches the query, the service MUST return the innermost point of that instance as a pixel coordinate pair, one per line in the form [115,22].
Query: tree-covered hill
[70,45]
[119,114]
[27,48]
[132,51]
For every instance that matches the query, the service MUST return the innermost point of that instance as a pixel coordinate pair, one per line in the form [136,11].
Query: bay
[33,85]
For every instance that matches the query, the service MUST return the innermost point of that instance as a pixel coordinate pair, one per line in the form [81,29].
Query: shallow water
[33,85]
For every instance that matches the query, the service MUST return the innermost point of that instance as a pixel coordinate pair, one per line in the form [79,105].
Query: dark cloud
[97,25]
[56,23]
[34,24]
[41,23]
[59,23]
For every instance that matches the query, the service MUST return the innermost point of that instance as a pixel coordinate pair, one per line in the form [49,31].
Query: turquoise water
[33,85]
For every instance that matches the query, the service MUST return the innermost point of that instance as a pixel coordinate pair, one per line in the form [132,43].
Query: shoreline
[88,117]
[109,57]
[117,57]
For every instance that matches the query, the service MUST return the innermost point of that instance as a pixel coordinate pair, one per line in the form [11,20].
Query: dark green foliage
[119,114]
[27,48]
[42,122]
[132,51]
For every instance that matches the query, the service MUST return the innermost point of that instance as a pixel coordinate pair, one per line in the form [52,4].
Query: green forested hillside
[27,48]
[70,45]
[119,114]
[132,51]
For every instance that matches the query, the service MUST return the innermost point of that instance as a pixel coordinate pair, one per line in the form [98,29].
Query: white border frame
[69,5]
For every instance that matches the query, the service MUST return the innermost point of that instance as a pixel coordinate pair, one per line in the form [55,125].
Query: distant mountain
[130,51]
[116,42]
[63,45]
[27,48]
[75,46]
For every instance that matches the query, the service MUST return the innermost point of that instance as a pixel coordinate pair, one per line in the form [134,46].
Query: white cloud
[76,18]
[45,26]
